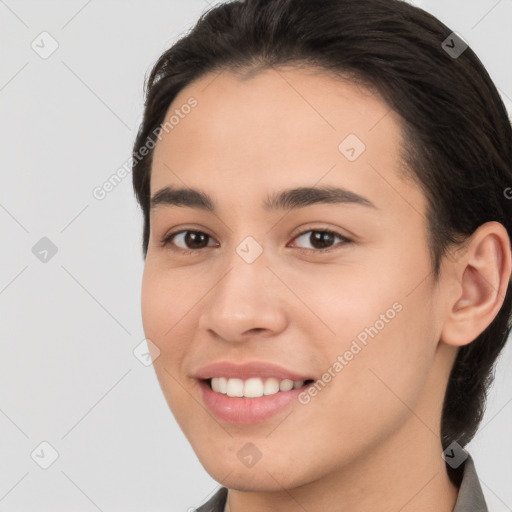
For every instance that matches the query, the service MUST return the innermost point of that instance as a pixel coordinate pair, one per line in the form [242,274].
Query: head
[266,96]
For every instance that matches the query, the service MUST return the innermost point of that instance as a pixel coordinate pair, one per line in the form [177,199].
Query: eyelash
[166,242]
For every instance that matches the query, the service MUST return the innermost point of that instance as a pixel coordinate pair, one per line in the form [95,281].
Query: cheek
[164,307]
[153,299]
[382,342]
[377,384]
[346,301]
[166,324]
[164,300]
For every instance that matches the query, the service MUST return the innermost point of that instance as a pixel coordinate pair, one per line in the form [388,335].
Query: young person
[327,252]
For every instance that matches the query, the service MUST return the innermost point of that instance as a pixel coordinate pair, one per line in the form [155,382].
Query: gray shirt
[470,498]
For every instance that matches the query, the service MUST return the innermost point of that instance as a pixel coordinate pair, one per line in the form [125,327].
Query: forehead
[278,129]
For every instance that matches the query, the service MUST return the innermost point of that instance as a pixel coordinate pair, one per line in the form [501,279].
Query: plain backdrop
[72,264]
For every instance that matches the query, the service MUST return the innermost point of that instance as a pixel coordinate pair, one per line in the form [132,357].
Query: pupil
[191,238]
[321,239]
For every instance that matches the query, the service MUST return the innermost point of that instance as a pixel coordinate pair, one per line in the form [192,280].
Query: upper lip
[247,370]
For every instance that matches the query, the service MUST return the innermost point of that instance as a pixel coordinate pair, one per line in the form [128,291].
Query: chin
[259,478]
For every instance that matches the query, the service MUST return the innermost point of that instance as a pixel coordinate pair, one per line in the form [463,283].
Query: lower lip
[246,411]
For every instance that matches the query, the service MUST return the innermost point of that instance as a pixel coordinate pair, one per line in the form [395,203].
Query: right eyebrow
[187,197]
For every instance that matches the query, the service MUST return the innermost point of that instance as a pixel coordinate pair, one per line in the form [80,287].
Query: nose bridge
[242,299]
[246,266]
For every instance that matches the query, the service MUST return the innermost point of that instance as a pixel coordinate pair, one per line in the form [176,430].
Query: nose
[247,300]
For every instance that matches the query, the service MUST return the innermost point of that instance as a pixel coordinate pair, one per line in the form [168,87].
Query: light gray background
[70,325]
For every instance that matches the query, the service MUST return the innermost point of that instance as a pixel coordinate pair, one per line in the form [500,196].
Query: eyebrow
[293,198]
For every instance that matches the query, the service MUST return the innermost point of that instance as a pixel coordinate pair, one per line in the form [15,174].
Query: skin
[370,440]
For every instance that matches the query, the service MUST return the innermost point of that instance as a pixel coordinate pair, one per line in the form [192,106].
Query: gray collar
[470,498]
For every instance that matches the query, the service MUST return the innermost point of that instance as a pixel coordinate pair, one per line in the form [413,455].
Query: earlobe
[482,273]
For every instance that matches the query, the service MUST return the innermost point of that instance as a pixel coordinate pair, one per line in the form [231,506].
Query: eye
[192,241]
[195,239]
[321,239]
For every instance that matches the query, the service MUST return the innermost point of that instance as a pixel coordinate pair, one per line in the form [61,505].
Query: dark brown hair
[457,137]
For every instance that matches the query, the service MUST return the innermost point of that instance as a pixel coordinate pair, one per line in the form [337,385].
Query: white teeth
[254,387]
[215,384]
[235,387]
[223,385]
[271,386]
[286,385]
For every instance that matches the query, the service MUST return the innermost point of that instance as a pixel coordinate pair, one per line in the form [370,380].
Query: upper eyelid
[296,232]
[168,239]
[328,230]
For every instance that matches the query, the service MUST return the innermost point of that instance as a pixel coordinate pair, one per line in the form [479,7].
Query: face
[333,290]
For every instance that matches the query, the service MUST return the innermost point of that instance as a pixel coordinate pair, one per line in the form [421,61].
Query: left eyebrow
[306,196]
[293,198]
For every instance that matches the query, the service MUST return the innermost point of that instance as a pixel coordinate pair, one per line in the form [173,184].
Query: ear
[478,283]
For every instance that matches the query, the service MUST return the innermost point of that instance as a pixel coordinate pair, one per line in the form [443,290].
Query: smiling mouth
[254,387]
